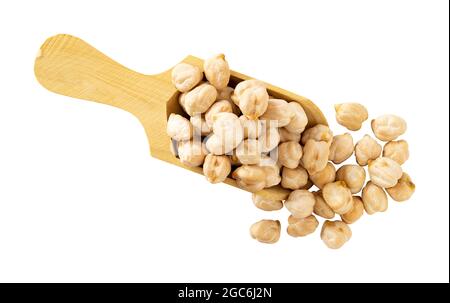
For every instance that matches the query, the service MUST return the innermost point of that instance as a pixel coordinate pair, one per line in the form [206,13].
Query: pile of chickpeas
[261,141]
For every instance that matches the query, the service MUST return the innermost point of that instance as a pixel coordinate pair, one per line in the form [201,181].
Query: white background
[82,200]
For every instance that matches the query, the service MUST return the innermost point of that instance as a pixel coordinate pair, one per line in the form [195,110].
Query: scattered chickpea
[250,177]
[192,153]
[403,190]
[179,128]
[286,135]
[355,213]
[199,99]
[321,208]
[200,126]
[397,151]
[225,94]
[354,177]
[300,227]
[248,152]
[252,98]
[266,231]
[335,234]
[325,176]
[300,203]
[186,76]
[338,197]
[216,168]
[278,110]
[272,172]
[299,120]
[289,154]
[252,128]
[351,115]
[269,139]
[374,198]
[266,204]
[222,106]
[318,133]
[384,172]
[367,149]
[315,156]
[294,178]
[388,127]
[228,129]
[217,71]
[341,148]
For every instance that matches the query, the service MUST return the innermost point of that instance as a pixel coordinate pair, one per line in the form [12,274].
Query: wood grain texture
[69,66]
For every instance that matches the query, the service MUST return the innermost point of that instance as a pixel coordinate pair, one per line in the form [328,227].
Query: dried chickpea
[266,231]
[216,168]
[374,198]
[321,208]
[355,213]
[216,145]
[200,126]
[295,178]
[397,151]
[250,177]
[341,148]
[269,139]
[248,152]
[384,172]
[338,197]
[228,129]
[199,99]
[403,190]
[300,227]
[179,128]
[217,71]
[225,94]
[325,176]
[354,177]
[388,127]
[252,128]
[318,133]
[299,119]
[315,156]
[185,76]
[300,203]
[272,172]
[266,204]
[278,110]
[191,153]
[286,135]
[351,115]
[252,98]
[367,149]
[289,154]
[222,106]
[335,234]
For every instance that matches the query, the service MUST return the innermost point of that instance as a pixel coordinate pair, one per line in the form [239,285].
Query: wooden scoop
[69,66]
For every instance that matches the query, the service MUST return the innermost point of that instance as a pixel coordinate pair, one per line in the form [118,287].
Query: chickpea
[397,151]
[225,94]
[266,231]
[388,127]
[222,106]
[354,177]
[300,203]
[315,156]
[321,208]
[300,227]
[318,133]
[341,148]
[367,149]
[217,71]
[335,234]
[355,213]
[286,135]
[185,76]
[338,197]
[272,174]
[299,119]
[351,115]
[233,158]
[252,98]
[200,126]
[179,128]
[191,153]
[199,99]
[269,139]
[250,177]
[325,176]
[374,198]
[294,178]
[278,110]
[228,129]
[216,168]
[248,152]
[266,204]
[252,128]
[384,172]
[403,190]
[290,154]
[216,145]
